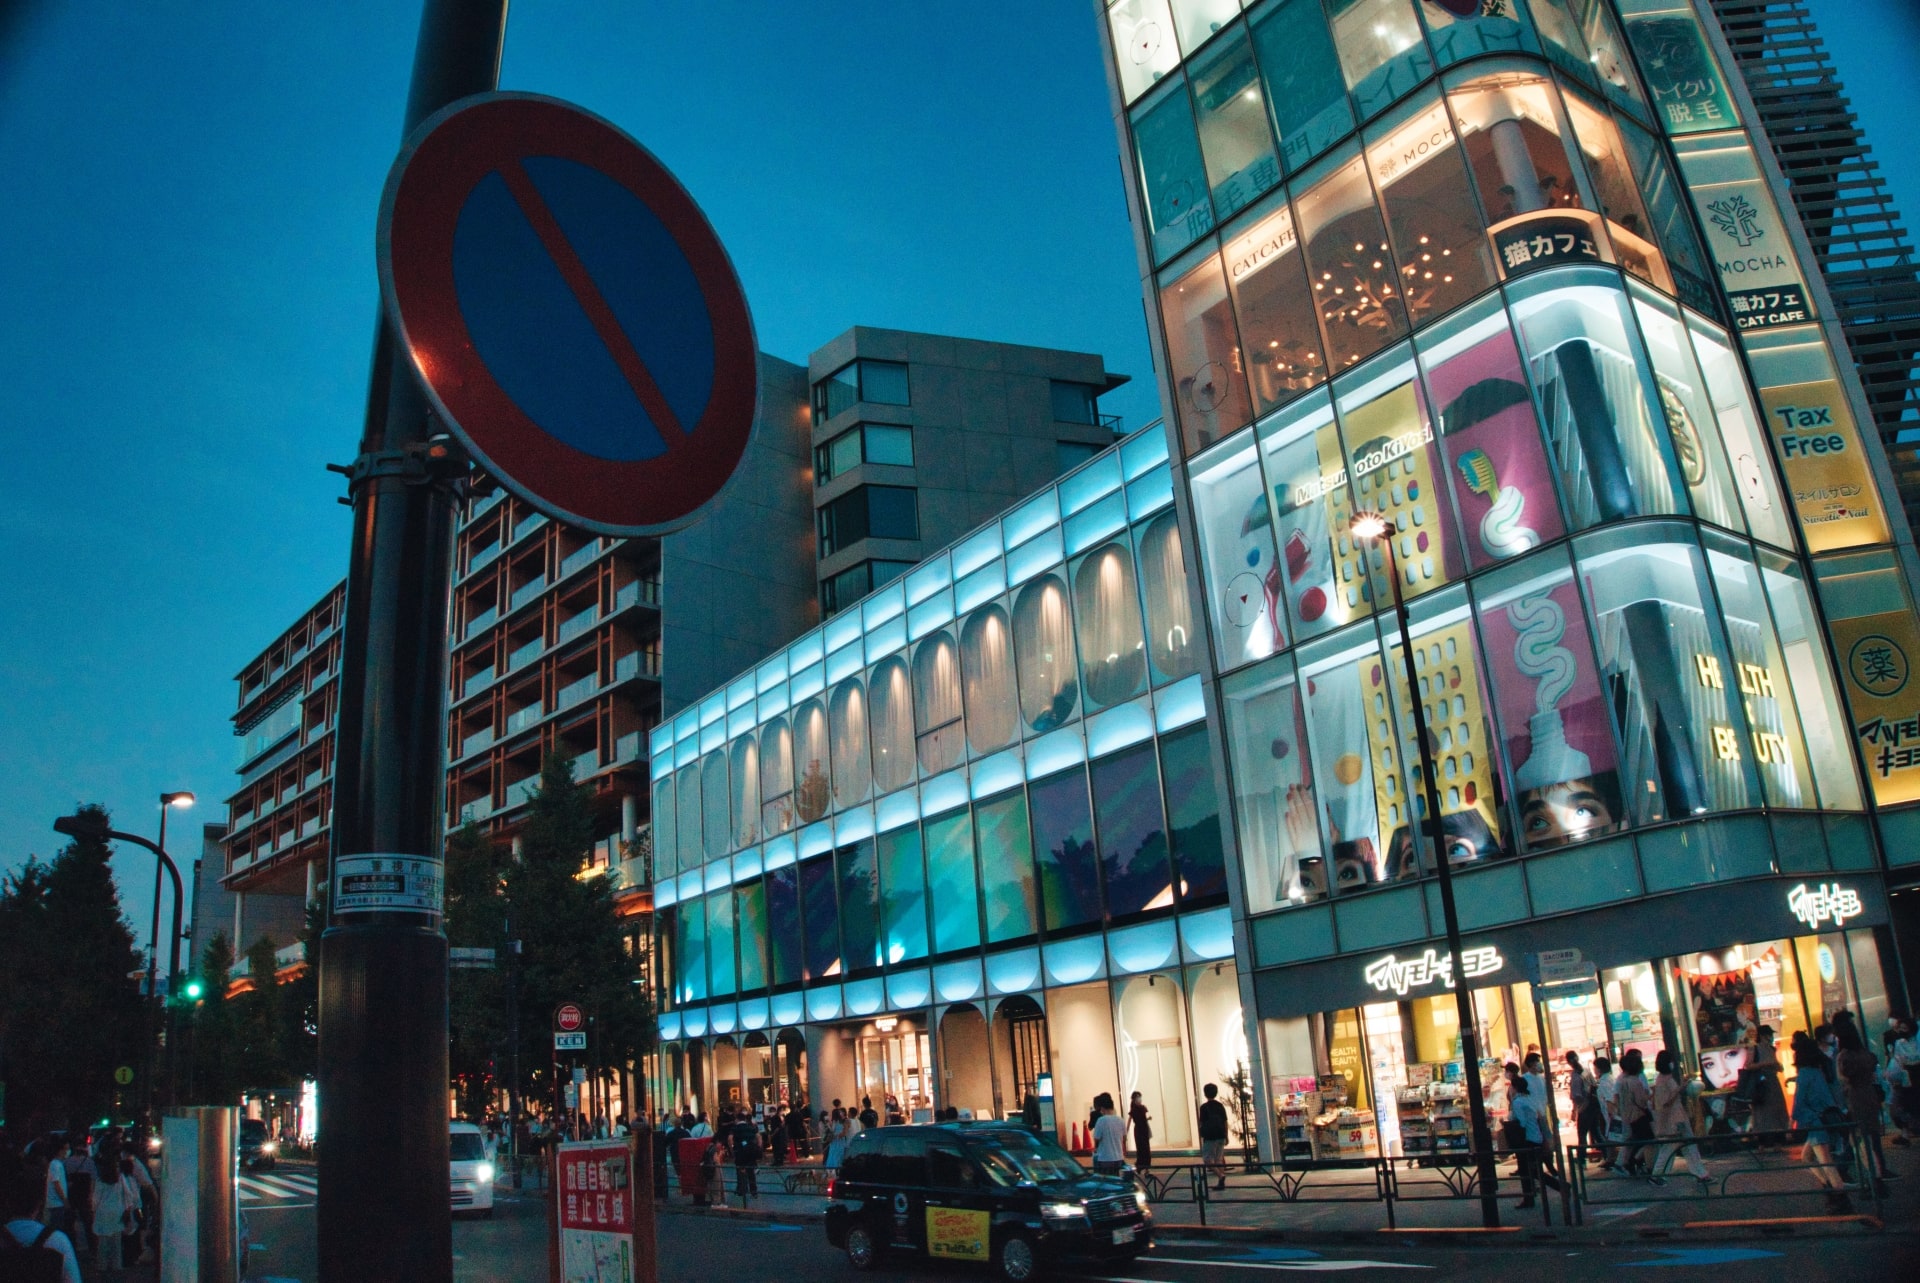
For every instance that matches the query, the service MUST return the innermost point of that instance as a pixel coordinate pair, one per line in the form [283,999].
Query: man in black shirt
[1213,1135]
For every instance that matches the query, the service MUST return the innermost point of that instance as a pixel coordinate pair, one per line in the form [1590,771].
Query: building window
[936,703]
[891,719]
[986,663]
[855,582]
[1063,844]
[1074,402]
[1173,180]
[1380,50]
[877,382]
[1275,307]
[866,443]
[869,512]
[1304,89]
[1234,137]
[1433,222]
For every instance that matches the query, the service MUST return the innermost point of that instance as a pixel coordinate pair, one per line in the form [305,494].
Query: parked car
[258,1151]
[470,1174]
[993,1193]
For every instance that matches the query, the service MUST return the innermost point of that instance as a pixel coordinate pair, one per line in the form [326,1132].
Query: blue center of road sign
[619,304]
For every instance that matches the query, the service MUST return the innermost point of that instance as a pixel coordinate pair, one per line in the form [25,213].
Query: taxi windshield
[1012,1157]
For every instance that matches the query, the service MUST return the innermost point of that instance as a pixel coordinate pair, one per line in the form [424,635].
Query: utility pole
[383,1214]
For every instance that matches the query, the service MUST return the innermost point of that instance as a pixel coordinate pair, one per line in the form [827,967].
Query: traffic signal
[194,989]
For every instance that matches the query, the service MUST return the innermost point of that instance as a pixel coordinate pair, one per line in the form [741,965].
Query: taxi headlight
[1062,1211]
[269,1146]
[485,1171]
[1140,1197]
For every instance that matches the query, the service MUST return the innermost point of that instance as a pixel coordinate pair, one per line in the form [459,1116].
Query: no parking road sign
[570,311]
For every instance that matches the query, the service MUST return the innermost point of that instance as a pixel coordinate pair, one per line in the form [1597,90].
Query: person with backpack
[30,1252]
[743,1141]
[1213,1135]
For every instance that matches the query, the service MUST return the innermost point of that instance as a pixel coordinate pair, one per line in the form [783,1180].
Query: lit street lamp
[167,802]
[1371,528]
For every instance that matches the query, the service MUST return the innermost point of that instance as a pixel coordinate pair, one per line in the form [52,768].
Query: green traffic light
[194,989]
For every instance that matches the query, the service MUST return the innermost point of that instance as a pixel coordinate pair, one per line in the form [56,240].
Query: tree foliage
[476,918]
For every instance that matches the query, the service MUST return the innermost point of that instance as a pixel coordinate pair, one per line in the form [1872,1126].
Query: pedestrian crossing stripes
[259,1187]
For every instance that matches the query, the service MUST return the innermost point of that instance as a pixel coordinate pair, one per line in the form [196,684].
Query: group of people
[1110,1134]
[74,1198]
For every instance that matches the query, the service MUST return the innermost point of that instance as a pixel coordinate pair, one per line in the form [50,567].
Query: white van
[471,1171]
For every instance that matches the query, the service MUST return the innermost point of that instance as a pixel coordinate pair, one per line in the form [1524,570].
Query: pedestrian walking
[1902,1074]
[1670,1120]
[1860,1092]
[797,1130]
[1140,1122]
[1635,1100]
[1213,1135]
[80,1179]
[1529,1142]
[1768,1097]
[744,1145]
[836,1139]
[1589,1127]
[30,1251]
[1815,1110]
[1109,1137]
[53,1195]
[115,1205]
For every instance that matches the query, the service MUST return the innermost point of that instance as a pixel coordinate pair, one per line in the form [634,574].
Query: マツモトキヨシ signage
[1828,903]
[1401,976]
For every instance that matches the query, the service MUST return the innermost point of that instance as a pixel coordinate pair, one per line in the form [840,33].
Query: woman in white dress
[837,1138]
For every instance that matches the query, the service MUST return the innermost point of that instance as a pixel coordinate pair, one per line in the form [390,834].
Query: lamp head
[87,827]
[181,800]
[1368,525]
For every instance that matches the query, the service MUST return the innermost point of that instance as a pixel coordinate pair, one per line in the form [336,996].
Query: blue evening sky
[186,272]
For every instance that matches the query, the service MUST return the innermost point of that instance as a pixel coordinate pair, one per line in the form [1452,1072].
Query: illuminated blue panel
[669,1024]
[845,662]
[719,874]
[787,1008]
[661,764]
[753,1013]
[740,693]
[1014,971]
[1088,528]
[1071,961]
[957,981]
[713,736]
[1101,476]
[808,681]
[1028,520]
[1150,493]
[983,585]
[823,1003]
[852,824]
[659,740]
[1142,452]
[722,1017]
[686,724]
[806,650]
[843,630]
[1179,704]
[746,865]
[816,838]
[740,721]
[692,884]
[886,638]
[993,774]
[909,988]
[1055,752]
[883,604]
[686,751]
[775,701]
[928,578]
[929,615]
[693,1020]
[976,550]
[1034,556]
[712,709]
[1118,727]
[896,809]
[666,893]
[864,997]
[780,851]
[770,674]
[943,793]
[1207,936]
[1142,948]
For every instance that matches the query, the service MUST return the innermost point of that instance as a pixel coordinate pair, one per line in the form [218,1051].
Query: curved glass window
[1198,20]
[723,977]
[1739,422]
[986,667]
[1395,471]
[1133,832]
[784,956]
[852,772]
[693,951]
[1496,460]
[1268,276]
[859,906]
[1381,50]
[1510,128]
[666,834]
[750,911]
[1617,190]
[1323,583]
[1356,753]
[744,776]
[1006,866]
[1193,814]
[1803,644]
[1348,260]
[1606,55]
[715,805]
[1561,30]
[1672,229]
[1233,124]
[1172,644]
[821,913]
[1305,91]
[1043,644]
[936,703]
[1482,29]
[1203,351]
[1107,605]
[1697,448]
[1666,664]
[1143,44]
[1277,819]
[810,792]
[903,895]
[1173,179]
[953,885]
[687,786]
[1243,575]
[892,715]
[1759,674]
[1587,372]
[1063,846]
[776,776]
[1433,221]
[1546,694]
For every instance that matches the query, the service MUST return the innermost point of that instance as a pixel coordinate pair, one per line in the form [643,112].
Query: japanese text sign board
[1876,654]
[570,311]
[1820,452]
[597,1212]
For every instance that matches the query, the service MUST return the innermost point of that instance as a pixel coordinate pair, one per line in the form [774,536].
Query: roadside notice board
[599,1212]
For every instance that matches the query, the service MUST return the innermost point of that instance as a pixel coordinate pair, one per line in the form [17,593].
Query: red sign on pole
[568,1017]
[598,1206]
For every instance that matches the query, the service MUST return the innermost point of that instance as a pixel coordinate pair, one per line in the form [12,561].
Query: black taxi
[989,1192]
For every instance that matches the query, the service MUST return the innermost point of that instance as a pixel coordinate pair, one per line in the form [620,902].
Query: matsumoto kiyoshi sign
[1876,655]
[1827,903]
[1400,976]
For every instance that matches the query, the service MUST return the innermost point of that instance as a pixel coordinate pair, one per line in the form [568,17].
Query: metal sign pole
[383,1213]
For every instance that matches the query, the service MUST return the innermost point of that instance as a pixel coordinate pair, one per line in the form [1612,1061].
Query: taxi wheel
[863,1251]
[1016,1259]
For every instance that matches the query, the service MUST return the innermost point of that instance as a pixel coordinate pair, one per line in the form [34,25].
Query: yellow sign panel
[958,1234]
[1819,449]
[1878,652]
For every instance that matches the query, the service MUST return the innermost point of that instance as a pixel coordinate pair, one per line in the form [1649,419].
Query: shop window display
[1593,395]
[1355,752]
[1006,866]
[1322,582]
[1739,421]
[936,703]
[1173,179]
[1348,260]
[1759,674]
[743,776]
[750,910]
[953,887]
[1278,829]
[1381,50]
[821,914]
[1547,696]
[784,958]
[1305,91]
[859,906]
[810,794]
[1433,221]
[1133,832]
[1510,129]
[986,666]
[1394,467]
[776,776]
[1044,649]
[1063,846]
[1233,124]
[1239,565]
[1203,351]
[1172,641]
[1193,815]
[891,713]
[1459,30]
[1803,652]
[1143,43]
[1665,665]
[1107,608]
[1697,447]
[1616,188]
[852,771]
[722,976]
[715,805]
[903,895]
[1496,462]
[1274,303]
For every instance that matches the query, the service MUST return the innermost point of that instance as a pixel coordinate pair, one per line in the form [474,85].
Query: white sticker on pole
[387,884]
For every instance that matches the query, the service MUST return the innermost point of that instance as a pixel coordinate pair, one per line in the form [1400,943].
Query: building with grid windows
[1120,791]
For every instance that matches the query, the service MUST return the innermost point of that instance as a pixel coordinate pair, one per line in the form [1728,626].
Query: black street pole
[513,1044]
[383,1215]
[1463,999]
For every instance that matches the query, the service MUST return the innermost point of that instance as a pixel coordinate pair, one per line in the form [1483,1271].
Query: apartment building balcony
[528,716]
[520,792]
[480,621]
[475,742]
[527,592]
[526,526]
[580,558]
[475,811]
[477,682]
[525,654]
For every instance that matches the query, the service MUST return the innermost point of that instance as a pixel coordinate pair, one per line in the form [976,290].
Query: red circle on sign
[429,186]
[567,1017]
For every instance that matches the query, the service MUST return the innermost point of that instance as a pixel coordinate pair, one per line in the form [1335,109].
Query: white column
[629,817]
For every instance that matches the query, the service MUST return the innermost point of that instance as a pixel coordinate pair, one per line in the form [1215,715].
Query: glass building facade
[1123,789]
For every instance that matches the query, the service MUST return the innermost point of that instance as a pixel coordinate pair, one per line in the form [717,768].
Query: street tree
[476,918]
[215,1079]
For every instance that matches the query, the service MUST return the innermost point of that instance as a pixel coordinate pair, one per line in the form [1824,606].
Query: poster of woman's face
[1721,1066]
[1723,1006]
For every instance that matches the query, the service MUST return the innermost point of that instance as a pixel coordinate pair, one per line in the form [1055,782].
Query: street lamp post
[1369,528]
[167,802]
